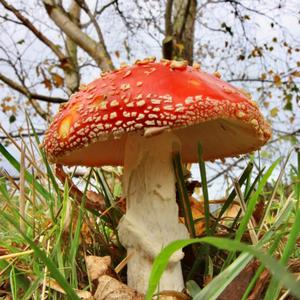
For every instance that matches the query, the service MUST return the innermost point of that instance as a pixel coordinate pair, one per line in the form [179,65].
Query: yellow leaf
[274,112]
[263,76]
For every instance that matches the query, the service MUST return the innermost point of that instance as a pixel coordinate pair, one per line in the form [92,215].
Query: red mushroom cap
[91,128]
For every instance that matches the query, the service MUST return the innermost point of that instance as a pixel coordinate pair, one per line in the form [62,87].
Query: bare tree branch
[72,75]
[104,7]
[96,50]
[21,89]
[20,135]
[42,113]
[86,8]
[26,22]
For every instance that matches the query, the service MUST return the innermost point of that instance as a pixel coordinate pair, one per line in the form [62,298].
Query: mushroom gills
[220,138]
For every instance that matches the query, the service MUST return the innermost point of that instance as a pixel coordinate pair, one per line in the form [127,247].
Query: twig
[17,254]
[23,90]
[251,222]
[27,23]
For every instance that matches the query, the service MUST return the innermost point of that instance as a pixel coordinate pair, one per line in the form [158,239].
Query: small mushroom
[138,116]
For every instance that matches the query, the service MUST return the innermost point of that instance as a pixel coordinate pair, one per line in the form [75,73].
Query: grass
[42,251]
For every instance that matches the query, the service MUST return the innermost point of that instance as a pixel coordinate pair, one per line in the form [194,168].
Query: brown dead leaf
[197,208]
[47,83]
[97,266]
[231,213]
[111,289]
[167,295]
[57,80]
[236,289]
[277,80]
[260,285]
[3,251]
[296,73]
[259,211]
[95,198]
[198,215]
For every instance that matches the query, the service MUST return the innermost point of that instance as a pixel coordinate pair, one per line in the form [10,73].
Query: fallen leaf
[95,198]
[260,286]
[236,289]
[110,288]
[97,266]
[198,215]
[167,295]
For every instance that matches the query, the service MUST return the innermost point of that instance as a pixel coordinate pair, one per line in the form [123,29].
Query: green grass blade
[22,280]
[274,286]
[253,200]
[33,287]
[184,200]
[250,209]
[297,185]
[3,188]
[28,176]
[114,213]
[232,195]
[193,288]
[214,289]
[48,262]
[271,199]
[208,229]
[13,283]
[277,270]
[247,196]
[43,155]
[261,268]
[109,197]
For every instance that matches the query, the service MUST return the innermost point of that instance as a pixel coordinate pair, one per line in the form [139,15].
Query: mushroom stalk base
[151,220]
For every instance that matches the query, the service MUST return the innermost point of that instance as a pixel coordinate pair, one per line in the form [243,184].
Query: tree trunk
[179,29]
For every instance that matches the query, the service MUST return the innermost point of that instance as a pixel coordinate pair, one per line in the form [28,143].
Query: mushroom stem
[151,221]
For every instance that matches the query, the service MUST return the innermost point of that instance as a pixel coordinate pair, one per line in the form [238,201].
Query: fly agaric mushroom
[137,116]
